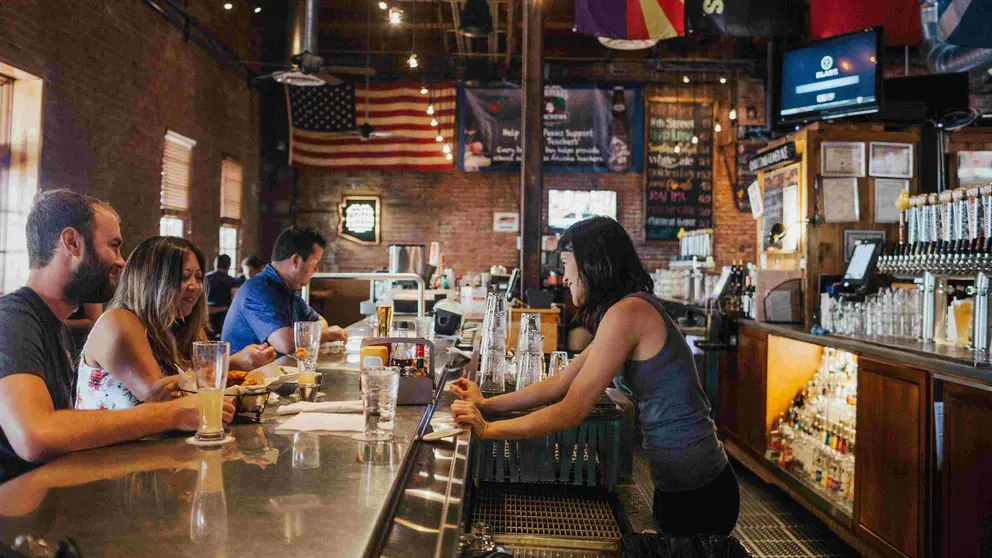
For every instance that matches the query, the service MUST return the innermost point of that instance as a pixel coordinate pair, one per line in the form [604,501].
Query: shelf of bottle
[844,505]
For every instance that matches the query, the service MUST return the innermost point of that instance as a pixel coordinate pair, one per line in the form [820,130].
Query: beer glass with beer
[210,364]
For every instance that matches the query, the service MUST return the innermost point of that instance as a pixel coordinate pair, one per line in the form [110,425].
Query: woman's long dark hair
[609,267]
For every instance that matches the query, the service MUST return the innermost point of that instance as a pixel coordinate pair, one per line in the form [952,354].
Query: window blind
[231,176]
[178,154]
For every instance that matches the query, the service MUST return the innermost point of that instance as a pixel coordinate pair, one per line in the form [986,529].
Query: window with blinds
[15,201]
[231,186]
[176,163]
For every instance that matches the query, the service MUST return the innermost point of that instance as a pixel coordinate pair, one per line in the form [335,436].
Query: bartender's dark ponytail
[609,267]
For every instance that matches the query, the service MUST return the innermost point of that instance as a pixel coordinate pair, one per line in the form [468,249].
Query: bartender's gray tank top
[680,439]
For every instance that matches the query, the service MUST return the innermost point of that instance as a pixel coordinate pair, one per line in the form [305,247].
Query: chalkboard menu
[678,188]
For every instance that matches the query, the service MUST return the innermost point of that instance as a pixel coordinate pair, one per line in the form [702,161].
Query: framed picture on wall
[840,199]
[887,191]
[842,158]
[854,237]
[891,160]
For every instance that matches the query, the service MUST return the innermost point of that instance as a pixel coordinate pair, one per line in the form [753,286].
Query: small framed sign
[359,219]
[506,222]
[891,160]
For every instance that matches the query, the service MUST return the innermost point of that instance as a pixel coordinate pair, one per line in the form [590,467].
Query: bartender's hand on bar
[333,333]
[252,357]
[467,414]
[188,412]
[467,390]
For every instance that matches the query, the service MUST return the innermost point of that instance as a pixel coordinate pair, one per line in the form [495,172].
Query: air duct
[476,19]
[943,57]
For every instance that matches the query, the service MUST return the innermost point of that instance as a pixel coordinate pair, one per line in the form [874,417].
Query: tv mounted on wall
[567,207]
[832,78]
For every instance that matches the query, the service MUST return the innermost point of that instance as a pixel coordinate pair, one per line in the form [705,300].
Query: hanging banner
[654,20]
[586,129]
[678,191]
[746,18]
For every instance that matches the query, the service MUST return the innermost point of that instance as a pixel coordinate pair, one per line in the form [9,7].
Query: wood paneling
[726,407]
[891,463]
[752,352]
[967,471]
[791,365]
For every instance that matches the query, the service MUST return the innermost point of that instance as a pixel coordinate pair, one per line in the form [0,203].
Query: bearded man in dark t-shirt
[74,251]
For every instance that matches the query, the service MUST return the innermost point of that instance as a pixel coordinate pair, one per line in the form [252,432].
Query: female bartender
[639,349]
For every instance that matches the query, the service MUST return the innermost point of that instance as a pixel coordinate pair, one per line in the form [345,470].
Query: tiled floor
[770,525]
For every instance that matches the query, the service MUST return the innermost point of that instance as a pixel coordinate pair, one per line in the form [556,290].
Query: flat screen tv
[832,78]
[567,207]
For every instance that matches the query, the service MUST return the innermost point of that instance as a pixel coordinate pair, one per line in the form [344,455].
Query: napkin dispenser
[779,296]
[413,390]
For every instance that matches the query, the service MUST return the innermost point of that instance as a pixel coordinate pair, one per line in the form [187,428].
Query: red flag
[398,111]
[901,19]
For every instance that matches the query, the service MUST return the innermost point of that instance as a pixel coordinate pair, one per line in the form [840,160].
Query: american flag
[321,118]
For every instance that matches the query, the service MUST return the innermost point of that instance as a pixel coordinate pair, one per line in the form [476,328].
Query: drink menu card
[678,191]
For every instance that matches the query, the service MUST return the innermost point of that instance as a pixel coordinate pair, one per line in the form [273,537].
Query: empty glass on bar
[379,389]
[306,450]
[557,363]
[210,364]
[493,347]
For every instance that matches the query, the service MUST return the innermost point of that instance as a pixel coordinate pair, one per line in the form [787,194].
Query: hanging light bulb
[430,110]
[678,149]
[395,16]
[434,122]
[412,61]
[718,128]
[685,79]
[733,114]
[439,138]
[258,9]
[383,5]
[446,148]
[695,140]
[423,90]
[723,80]
[228,5]
[448,156]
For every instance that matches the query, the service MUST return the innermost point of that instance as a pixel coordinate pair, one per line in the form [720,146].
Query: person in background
[640,350]
[220,291]
[80,323]
[250,267]
[267,305]
[146,337]
[74,256]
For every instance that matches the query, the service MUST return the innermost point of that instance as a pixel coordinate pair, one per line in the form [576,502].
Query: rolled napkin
[322,407]
[325,422]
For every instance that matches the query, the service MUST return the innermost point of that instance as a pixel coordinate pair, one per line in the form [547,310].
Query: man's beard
[90,283]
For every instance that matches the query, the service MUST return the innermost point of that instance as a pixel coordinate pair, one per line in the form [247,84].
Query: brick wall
[117,76]
[456,208]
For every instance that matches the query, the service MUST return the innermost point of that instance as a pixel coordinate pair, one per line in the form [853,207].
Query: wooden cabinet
[891,457]
[967,472]
[726,404]
[752,354]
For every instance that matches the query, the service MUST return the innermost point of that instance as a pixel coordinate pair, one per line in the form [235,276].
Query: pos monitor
[860,272]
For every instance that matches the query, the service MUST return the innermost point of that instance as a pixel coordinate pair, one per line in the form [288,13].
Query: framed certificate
[842,158]
[840,200]
[891,160]
[887,191]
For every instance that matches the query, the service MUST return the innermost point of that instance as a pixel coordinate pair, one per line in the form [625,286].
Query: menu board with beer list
[678,184]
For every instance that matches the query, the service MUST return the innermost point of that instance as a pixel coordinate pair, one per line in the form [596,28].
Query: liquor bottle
[618,159]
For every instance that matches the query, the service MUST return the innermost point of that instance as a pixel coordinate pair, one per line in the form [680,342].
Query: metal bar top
[254,496]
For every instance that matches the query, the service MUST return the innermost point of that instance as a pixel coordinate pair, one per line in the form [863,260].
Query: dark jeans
[709,510]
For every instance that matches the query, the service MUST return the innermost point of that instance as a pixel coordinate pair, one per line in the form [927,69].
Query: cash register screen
[860,262]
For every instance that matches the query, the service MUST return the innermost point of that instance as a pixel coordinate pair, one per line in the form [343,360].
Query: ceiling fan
[306,68]
[365,130]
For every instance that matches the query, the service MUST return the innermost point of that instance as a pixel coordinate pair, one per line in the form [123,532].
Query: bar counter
[253,496]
